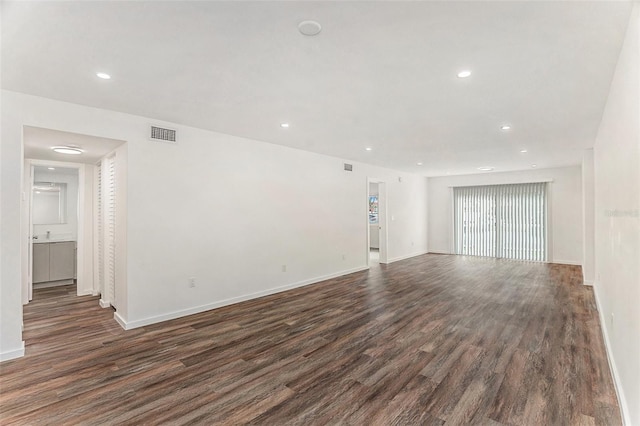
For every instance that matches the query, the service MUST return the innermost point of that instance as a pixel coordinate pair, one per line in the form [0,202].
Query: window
[507,221]
[373,209]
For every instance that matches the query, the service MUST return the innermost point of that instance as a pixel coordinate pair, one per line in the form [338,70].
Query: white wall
[565,203]
[70,227]
[617,222]
[588,218]
[226,210]
[11,344]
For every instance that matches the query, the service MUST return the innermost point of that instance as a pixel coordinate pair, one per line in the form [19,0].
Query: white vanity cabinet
[54,261]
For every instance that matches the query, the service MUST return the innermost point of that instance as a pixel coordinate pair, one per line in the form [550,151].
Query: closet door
[110,230]
[106,229]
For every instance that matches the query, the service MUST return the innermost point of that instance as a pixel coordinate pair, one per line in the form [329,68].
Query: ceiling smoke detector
[309,28]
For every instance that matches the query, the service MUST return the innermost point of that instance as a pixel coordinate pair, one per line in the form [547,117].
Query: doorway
[95,152]
[376,222]
[54,226]
[56,213]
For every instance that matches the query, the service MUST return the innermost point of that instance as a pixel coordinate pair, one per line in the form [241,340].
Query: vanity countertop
[39,241]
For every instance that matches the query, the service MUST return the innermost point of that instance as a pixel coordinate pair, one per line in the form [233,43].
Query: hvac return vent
[348,167]
[164,135]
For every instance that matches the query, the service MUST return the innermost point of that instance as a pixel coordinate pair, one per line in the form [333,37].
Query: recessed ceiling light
[485,168]
[419,164]
[51,168]
[505,127]
[464,74]
[523,151]
[309,28]
[534,165]
[368,148]
[103,75]
[284,125]
[67,150]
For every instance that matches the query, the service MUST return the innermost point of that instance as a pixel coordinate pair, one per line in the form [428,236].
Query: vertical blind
[507,221]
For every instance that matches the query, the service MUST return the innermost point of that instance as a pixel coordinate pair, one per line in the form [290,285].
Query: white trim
[624,408]
[587,282]
[566,262]
[104,303]
[438,252]
[516,182]
[408,256]
[123,323]
[16,353]
[209,306]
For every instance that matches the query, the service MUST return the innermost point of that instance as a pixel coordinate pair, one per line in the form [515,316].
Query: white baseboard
[566,262]
[395,259]
[104,304]
[438,252]
[624,408]
[128,325]
[49,284]
[16,353]
[121,321]
[587,282]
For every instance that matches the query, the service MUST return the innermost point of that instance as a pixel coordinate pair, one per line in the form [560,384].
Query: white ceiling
[380,74]
[38,143]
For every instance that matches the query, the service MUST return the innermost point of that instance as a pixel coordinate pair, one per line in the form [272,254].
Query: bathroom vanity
[54,262]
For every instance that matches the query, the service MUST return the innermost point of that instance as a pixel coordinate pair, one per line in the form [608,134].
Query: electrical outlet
[344,257]
[192,282]
[284,268]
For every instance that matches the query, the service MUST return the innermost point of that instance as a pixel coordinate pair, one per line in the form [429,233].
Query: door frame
[27,275]
[382,221]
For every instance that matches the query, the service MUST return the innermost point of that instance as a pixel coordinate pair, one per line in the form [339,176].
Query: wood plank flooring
[430,340]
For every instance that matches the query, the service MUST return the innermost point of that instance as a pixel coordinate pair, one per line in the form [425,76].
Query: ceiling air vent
[163,135]
[348,167]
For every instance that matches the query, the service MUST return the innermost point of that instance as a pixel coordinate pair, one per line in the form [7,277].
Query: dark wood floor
[430,340]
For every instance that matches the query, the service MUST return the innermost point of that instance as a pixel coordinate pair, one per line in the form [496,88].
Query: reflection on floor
[374,256]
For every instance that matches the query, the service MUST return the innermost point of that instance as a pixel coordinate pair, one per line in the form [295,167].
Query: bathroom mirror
[49,203]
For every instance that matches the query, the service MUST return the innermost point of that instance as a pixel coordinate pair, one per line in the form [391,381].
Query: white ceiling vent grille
[162,134]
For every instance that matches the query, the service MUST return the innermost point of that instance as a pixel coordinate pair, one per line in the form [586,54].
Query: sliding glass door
[506,221]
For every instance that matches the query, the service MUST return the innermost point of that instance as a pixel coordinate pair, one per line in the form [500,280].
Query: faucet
[48,235]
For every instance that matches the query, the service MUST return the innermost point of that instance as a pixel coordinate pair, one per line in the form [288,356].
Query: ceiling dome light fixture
[485,168]
[103,75]
[309,28]
[464,74]
[505,127]
[67,150]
